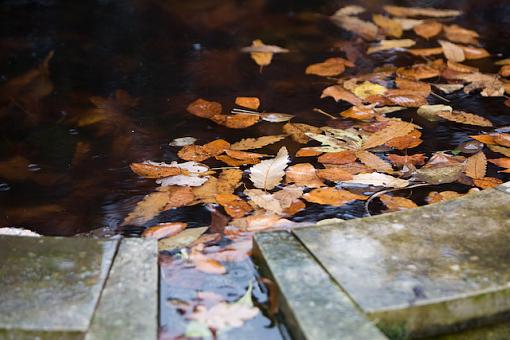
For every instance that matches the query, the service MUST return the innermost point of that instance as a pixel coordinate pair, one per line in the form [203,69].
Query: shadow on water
[64,158]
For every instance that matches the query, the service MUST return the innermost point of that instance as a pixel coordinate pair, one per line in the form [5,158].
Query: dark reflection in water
[64,162]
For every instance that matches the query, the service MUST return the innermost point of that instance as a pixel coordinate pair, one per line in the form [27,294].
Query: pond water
[64,173]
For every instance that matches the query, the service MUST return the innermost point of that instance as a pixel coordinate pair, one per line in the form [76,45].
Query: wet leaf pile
[363,154]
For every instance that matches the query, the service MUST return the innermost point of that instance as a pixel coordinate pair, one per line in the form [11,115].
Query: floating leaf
[367,89]
[396,203]
[364,29]
[276,117]
[269,173]
[263,54]
[183,239]
[465,118]
[163,230]
[500,149]
[391,27]
[339,93]
[248,102]
[332,196]
[373,161]
[233,205]
[256,143]
[391,44]
[329,68]
[487,182]
[183,141]
[476,165]
[343,157]
[204,108]
[421,11]
[452,51]
[448,88]
[151,205]
[303,174]
[400,161]
[428,29]
[394,129]
[378,179]
[297,131]
[237,121]
[436,197]
[334,174]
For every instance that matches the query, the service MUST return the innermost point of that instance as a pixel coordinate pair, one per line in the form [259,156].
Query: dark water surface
[62,175]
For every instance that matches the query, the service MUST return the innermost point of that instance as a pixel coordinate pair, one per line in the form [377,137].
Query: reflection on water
[89,87]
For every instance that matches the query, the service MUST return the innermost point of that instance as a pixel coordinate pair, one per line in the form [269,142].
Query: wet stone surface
[313,305]
[128,308]
[424,270]
[51,284]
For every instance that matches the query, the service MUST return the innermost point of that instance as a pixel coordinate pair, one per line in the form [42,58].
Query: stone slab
[51,284]
[313,305]
[128,308]
[424,271]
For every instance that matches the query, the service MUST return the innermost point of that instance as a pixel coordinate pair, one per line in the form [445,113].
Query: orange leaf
[359,112]
[394,129]
[329,68]
[297,131]
[501,162]
[400,161]
[154,171]
[373,161]
[237,121]
[248,102]
[204,108]
[303,174]
[163,230]
[485,139]
[396,203]
[487,182]
[332,196]
[342,157]
[233,205]
[334,174]
[476,165]
[339,93]
[502,139]
[464,118]
[428,29]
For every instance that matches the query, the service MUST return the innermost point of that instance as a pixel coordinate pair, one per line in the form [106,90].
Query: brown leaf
[428,29]
[487,182]
[485,139]
[163,230]
[373,161]
[231,161]
[343,157]
[457,67]
[396,203]
[339,93]
[294,208]
[364,29]
[148,170]
[237,154]
[459,34]
[206,193]
[359,112]
[465,118]
[248,102]
[500,149]
[178,196]
[332,196]
[233,205]
[418,87]
[256,143]
[237,121]
[391,27]
[502,139]
[334,174]
[151,205]
[394,129]
[406,98]
[204,108]
[297,131]
[329,68]
[303,174]
[409,141]
[199,153]
[505,71]
[425,52]
[501,162]
[471,52]
[228,181]
[421,11]
[400,161]
[436,197]
[476,165]
[352,168]
[418,71]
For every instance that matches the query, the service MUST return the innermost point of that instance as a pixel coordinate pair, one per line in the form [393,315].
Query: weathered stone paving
[52,288]
[420,272]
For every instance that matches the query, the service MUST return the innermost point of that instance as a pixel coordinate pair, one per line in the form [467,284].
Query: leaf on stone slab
[476,165]
[465,118]
[303,174]
[391,44]
[204,108]
[421,11]
[248,102]
[378,179]
[256,143]
[162,230]
[397,203]
[269,173]
[332,196]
